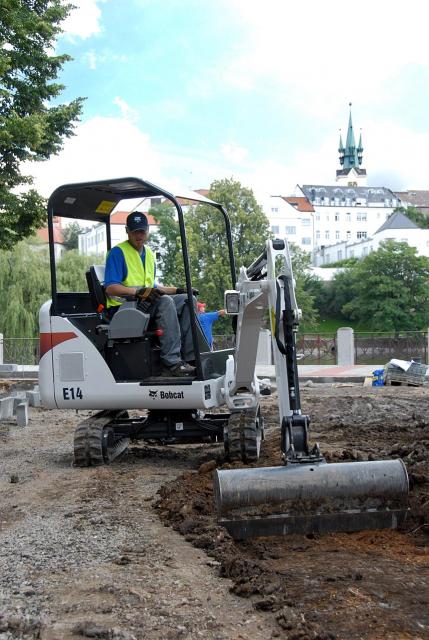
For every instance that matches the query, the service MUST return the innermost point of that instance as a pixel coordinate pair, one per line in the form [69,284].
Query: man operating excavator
[130,274]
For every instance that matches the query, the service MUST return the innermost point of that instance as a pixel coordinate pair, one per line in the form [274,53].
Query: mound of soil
[356,585]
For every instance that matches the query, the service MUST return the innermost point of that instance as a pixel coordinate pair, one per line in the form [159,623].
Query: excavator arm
[305,494]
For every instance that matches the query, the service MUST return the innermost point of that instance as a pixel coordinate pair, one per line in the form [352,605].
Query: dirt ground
[133,550]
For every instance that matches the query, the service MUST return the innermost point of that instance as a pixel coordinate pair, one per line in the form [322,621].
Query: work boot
[178,370]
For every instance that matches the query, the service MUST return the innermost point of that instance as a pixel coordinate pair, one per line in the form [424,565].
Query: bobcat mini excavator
[90,362]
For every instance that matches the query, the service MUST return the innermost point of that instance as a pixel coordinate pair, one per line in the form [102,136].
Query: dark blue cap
[137,220]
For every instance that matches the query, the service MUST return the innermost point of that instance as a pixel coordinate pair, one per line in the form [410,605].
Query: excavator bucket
[311,498]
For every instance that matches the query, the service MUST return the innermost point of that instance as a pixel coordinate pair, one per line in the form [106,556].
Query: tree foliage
[25,285]
[208,251]
[71,235]
[308,287]
[166,243]
[30,129]
[390,289]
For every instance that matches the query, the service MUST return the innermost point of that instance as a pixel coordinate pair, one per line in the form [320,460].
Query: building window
[275,229]
[339,255]
[274,209]
[326,235]
[327,217]
[361,217]
[337,217]
[318,236]
[306,222]
[337,235]
[348,217]
[306,241]
[318,217]
[349,233]
[361,234]
[365,251]
[290,231]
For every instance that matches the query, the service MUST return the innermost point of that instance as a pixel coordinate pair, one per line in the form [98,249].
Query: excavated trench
[372,584]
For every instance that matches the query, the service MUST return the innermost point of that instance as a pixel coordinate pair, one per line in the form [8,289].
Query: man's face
[137,238]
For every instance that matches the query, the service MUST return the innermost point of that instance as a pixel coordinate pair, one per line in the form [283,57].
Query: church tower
[351,173]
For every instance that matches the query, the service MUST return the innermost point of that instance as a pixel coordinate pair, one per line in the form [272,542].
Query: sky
[184,92]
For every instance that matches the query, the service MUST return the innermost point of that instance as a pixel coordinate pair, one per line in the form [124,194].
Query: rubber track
[88,437]
[244,436]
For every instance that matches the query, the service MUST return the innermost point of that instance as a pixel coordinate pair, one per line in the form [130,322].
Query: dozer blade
[311,498]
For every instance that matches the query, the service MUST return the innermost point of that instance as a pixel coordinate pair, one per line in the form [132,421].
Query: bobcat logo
[153,393]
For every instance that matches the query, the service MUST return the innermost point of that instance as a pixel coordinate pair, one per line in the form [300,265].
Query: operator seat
[95,280]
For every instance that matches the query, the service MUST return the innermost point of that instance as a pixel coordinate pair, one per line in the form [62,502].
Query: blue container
[378,378]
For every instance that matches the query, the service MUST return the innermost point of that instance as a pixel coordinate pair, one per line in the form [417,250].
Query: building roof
[345,172]
[418,199]
[397,220]
[300,203]
[372,195]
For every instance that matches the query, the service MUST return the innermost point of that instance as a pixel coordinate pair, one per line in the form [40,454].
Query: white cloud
[102,148]
[317,54]
[233,153]
[84,20]
[127,112]
[93,59]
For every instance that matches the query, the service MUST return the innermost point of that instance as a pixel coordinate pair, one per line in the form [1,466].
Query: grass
[330,326]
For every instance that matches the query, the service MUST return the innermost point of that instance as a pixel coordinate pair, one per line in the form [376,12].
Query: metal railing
[21,351]
[370,348]
[379,348]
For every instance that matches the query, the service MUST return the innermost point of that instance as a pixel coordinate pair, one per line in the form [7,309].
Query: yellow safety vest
[137,274]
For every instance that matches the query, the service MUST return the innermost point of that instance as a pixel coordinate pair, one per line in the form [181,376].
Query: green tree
[30,129]
[338,293]
[25,285]
[308,287]
[415,215]
[166,243]
[390,289]
[207,238]
[71,235]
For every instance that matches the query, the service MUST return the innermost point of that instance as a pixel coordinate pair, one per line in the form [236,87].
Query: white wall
[287,222]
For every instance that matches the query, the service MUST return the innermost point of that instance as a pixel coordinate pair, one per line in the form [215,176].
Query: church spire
[351,158]
[351,155]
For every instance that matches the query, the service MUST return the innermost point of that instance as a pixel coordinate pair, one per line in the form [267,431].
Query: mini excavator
[112,366]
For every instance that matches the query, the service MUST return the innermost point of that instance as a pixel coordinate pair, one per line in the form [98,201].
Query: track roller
[95,442]
[244,435]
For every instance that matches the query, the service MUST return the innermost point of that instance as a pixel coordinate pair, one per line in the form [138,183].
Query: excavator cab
[89,361]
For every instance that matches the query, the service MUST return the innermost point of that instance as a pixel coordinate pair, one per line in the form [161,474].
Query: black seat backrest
[95,280]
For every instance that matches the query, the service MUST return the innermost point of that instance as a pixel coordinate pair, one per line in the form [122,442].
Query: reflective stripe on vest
[137,274]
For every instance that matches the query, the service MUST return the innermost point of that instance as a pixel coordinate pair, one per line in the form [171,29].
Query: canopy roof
[96,200]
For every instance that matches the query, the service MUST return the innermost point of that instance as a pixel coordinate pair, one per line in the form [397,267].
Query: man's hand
[149,294]
[183,290]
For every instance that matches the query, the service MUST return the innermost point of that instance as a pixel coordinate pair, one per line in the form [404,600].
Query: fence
[22,351]
[379,348]
[317,348]
[370,348]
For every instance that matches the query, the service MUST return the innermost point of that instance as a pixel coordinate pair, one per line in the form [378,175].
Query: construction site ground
[133,550]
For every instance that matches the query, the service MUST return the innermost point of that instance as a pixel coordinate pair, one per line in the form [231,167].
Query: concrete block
[8,368]
[6,408]
[22,414]
[33,398]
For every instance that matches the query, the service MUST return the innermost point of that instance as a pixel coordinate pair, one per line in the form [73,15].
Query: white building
[93,240]
[292,218]
[347,212]
[398,228]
